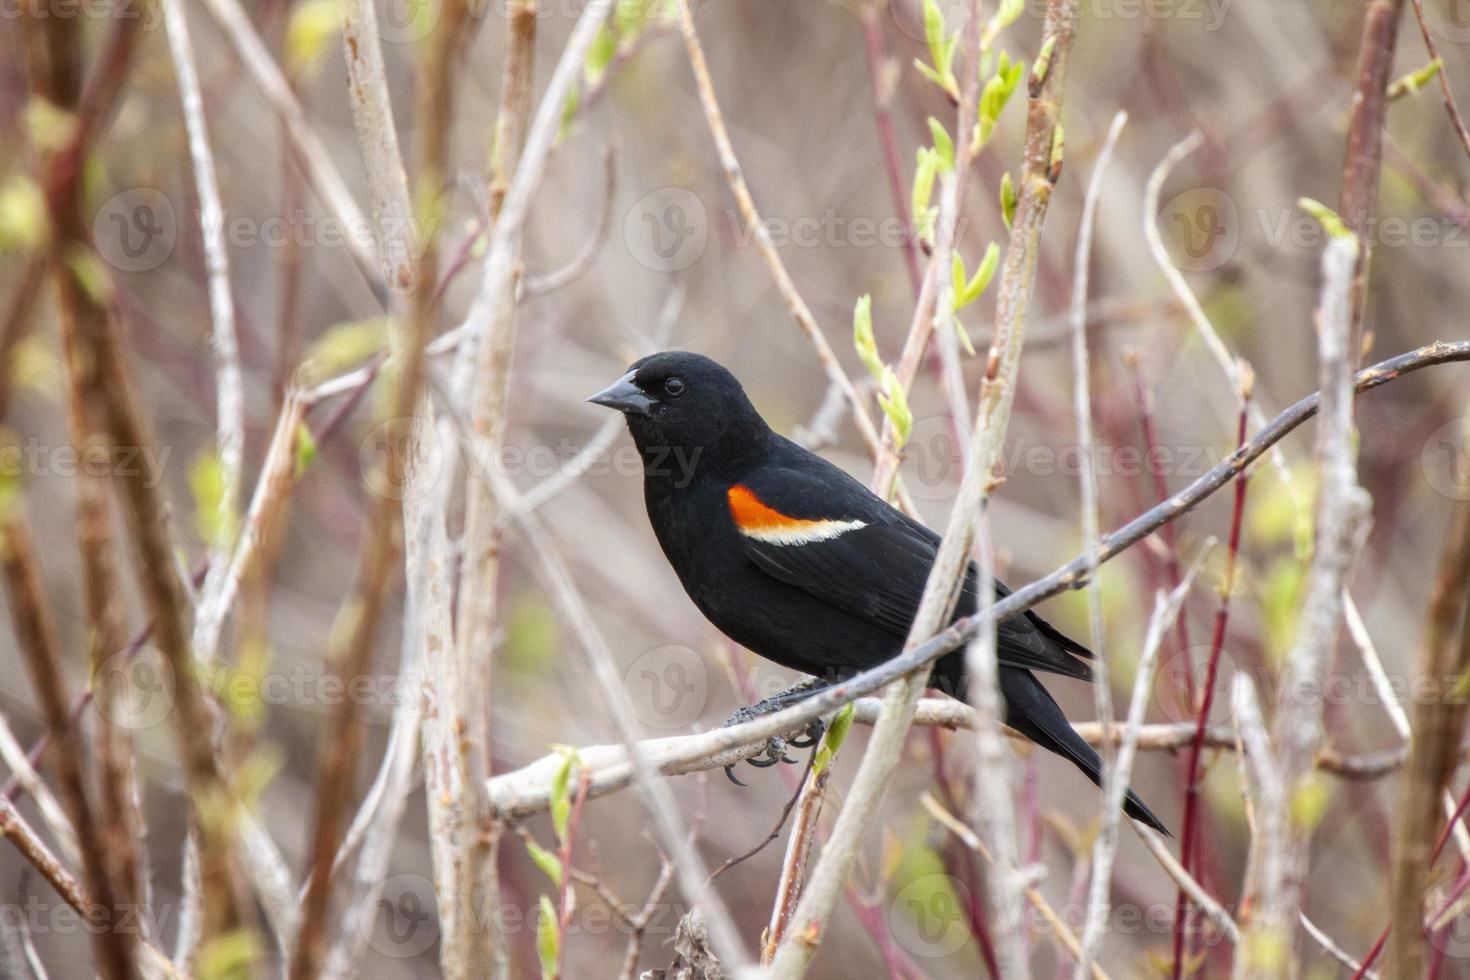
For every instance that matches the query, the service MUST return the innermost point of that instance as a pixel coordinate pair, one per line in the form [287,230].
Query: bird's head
[675,401]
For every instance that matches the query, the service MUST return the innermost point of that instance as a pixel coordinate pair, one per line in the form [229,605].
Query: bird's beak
[624,396]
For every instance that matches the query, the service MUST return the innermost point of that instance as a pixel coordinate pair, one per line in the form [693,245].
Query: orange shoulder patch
[751,514]
[756,520]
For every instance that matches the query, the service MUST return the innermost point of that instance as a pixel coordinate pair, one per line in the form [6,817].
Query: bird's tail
[1031,711]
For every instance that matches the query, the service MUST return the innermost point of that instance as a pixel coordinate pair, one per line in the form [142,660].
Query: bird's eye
[674,387]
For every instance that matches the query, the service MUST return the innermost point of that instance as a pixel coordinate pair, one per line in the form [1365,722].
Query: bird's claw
[776,746]
[811,736]
[772,754]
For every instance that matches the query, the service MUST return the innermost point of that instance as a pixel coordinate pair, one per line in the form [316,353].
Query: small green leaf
[1414,80]
[50,126]
[1043,63]
[943,144]
[23,220]
[228,955]
[91,274]
[934,34]
[862,336]
[1007,199]
[832,741]
[967,292]
[895,404]
[569,113]
[549,863]
[926,169]
[561,800]
[343,346]
[604,48]
[305,450]
[314,24]
[1329,219]
[946,82]
[548,940]
[957,276]
[207,481]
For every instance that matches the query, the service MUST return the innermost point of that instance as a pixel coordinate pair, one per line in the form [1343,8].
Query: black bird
[793,558]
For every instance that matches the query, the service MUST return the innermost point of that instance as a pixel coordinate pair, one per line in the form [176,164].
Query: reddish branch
[341,747]
[1359,198]
[1434,745]
[1189,834]
[35,628]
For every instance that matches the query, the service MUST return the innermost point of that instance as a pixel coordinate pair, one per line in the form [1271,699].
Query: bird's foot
[776,745]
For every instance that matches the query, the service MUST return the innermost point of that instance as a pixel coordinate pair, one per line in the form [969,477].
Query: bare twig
[230,398]
[1450,105]
[1364,154]
[1166,609]
[100,374]
[1279,849]
[1106,843]
[115,949]
[352,649]
[1443,654]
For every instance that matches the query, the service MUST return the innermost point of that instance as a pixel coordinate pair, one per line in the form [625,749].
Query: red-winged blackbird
[793,558]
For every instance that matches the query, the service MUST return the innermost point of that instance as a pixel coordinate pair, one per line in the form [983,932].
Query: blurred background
[672,264]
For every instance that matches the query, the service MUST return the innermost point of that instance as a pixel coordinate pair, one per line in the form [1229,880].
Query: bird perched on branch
[793,558]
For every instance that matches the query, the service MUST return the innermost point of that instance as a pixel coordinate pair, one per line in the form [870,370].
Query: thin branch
[1106,843]
[114,948]
[353,649]
[1105,848]
[230,403]
[1450,105]
[96,357]
[1364,154]
[1278,860]
[1443,653]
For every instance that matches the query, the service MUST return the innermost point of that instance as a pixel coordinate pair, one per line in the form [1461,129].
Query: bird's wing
[814,527]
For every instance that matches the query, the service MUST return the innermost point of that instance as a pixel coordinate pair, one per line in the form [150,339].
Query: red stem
[1189,834]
